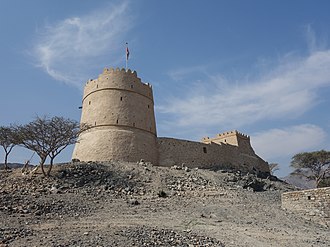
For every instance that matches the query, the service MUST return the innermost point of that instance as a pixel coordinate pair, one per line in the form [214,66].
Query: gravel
[138,204]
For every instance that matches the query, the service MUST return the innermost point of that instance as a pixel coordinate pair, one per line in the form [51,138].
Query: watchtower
[119,108]
[233,138]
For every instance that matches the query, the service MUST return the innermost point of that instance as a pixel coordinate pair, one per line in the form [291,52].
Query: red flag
[127,53]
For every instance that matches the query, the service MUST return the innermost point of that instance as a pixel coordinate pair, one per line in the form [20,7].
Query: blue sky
[261,67]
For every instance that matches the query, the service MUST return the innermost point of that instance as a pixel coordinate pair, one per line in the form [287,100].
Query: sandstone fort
[119,108]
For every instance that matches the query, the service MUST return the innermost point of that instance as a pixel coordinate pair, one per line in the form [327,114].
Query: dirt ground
[137,204]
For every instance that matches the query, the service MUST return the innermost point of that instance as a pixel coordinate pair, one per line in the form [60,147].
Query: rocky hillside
[126,204]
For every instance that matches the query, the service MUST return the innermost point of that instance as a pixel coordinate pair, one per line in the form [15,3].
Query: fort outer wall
[209,156]
[119,109]
[313,204]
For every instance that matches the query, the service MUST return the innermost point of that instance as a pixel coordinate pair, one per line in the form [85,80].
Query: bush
[162,194]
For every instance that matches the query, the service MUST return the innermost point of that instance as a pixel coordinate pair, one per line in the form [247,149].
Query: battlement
[118,79]
[233,138]
[118,71]
[225,135]
[111,72]
[234,132]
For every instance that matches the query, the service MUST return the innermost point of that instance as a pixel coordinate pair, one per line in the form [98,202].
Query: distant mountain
[12,165]
[299,179]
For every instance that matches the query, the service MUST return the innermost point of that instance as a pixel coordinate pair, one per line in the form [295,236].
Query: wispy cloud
[289,90]
[280,144]
[69,49]
[314,43]
[286,142]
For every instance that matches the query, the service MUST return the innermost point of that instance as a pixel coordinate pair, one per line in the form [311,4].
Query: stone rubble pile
[94,175]
[251,182]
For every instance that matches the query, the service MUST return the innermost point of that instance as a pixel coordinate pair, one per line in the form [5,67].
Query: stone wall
[312,204]
[208,155]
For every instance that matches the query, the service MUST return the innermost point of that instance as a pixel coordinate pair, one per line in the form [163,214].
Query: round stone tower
[119,109]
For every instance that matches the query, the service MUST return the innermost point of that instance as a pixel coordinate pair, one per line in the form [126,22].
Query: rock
[134,202]
[54,189]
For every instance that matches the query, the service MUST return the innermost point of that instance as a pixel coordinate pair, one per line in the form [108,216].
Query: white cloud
[69,49]
[287,91]
[279,143]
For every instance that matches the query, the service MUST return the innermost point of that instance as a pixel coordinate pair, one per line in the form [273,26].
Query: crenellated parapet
[118,79]
[233,137]
[231,133]
[224,135]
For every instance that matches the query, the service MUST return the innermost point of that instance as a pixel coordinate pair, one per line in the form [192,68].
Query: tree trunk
[6,161]
[50,166]
[42,162]
[7,152]
[320,178]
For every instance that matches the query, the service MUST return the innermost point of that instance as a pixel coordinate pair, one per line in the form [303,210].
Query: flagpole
[126,55]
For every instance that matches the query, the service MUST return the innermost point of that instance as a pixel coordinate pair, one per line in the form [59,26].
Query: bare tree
[273,167]
[8,140]
[317,162]
[64,133]
[48,137]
